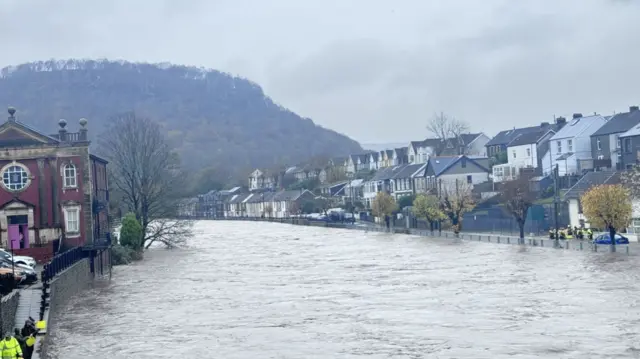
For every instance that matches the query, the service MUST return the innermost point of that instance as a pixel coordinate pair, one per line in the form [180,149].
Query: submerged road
[250,290]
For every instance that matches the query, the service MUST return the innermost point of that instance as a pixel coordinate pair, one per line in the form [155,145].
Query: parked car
[606,239]
[18,259]
[28,274]
[18,277]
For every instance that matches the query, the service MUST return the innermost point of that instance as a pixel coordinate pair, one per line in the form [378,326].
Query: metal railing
[55,266]
[533,241]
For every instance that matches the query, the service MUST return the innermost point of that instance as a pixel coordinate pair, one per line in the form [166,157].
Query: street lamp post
[556,199]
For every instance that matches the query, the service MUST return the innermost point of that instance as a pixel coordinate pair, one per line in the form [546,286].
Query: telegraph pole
[556,199]
[440,198]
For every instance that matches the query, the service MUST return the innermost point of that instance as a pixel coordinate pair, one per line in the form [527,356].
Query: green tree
[428,207]
[608,207]
[131,234]
[383,205]
[456,199]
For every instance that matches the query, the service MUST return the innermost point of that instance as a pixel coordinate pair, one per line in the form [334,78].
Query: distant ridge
[216,120]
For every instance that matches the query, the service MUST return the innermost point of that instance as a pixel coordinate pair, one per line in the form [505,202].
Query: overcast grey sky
[374,69]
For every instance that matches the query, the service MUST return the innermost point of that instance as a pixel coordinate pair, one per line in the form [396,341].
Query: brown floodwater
[250,290]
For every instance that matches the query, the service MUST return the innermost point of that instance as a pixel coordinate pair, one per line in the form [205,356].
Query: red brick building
[52,189]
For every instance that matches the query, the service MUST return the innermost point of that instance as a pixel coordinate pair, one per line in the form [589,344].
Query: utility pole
[556,199]
[440,199]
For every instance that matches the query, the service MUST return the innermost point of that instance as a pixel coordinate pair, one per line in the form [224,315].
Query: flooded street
[251,290]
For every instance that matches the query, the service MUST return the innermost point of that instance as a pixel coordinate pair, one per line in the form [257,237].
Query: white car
[18,259]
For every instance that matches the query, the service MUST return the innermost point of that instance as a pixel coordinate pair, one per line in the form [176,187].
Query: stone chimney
[560,122]
[12,112]
[83,129]
[62,132]
[577,115]
[544,124]
[633,108]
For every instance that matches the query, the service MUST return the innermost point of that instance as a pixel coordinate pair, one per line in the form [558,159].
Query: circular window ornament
[15,177]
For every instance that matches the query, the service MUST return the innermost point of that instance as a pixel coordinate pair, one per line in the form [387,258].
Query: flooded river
[251,290]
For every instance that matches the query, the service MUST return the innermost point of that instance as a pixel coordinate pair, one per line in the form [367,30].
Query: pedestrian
[29,332]
[10,347]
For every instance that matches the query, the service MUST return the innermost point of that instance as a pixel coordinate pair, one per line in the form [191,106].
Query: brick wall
[8,307]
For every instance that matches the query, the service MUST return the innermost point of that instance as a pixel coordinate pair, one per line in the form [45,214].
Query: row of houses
[238,203]
[581,145]
[356,166]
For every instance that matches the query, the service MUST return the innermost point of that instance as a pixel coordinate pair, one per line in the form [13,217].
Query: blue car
[606,239]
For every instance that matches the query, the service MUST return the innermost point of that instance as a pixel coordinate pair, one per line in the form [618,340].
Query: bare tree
[517,197]
[444,127]
[146,173]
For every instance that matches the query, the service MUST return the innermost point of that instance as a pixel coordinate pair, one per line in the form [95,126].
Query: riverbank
[532,241]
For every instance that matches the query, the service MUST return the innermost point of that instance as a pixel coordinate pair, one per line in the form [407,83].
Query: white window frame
[570,145]
[21,166]
[69,180]
[598,144]
[559,144]
[514,153]
[69,230]
[528,152]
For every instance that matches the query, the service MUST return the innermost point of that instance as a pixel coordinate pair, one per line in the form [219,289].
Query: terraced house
[53,189]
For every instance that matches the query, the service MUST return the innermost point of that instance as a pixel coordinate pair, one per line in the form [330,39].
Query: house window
[514,153]
[411,158]
[570,145]
[69,174]
[528,152]
[627,145]
[559,144]
[72,219]
[463,163]
[598,144]
[469,179]
[15,177]
[618,142]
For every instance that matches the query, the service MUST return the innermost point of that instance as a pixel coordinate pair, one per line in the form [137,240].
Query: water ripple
[262,290]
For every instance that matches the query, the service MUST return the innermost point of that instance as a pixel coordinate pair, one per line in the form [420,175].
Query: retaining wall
[65,285]
[8,307]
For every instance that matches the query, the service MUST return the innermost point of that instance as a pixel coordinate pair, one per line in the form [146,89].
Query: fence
[61,262]
[579,245]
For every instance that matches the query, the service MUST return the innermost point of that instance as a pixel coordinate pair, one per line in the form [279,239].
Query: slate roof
[239,198]
[443,163]
[529,138]
[387,173]
[259,197]
[402,151]
[375,156]
[591,179]
[409,170]
[583,126]
[618,123]
[506,136]
[634,131]
[291,195]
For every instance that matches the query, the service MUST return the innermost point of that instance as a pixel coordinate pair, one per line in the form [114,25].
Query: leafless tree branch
[146,172]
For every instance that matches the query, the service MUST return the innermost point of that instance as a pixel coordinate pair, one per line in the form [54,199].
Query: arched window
[70,176]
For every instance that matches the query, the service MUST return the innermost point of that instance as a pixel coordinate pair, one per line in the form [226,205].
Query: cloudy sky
[376,70]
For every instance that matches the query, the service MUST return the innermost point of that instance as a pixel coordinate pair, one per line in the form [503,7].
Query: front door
[18,231]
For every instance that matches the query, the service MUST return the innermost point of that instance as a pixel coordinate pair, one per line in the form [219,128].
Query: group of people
[571,233]
[21,344]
